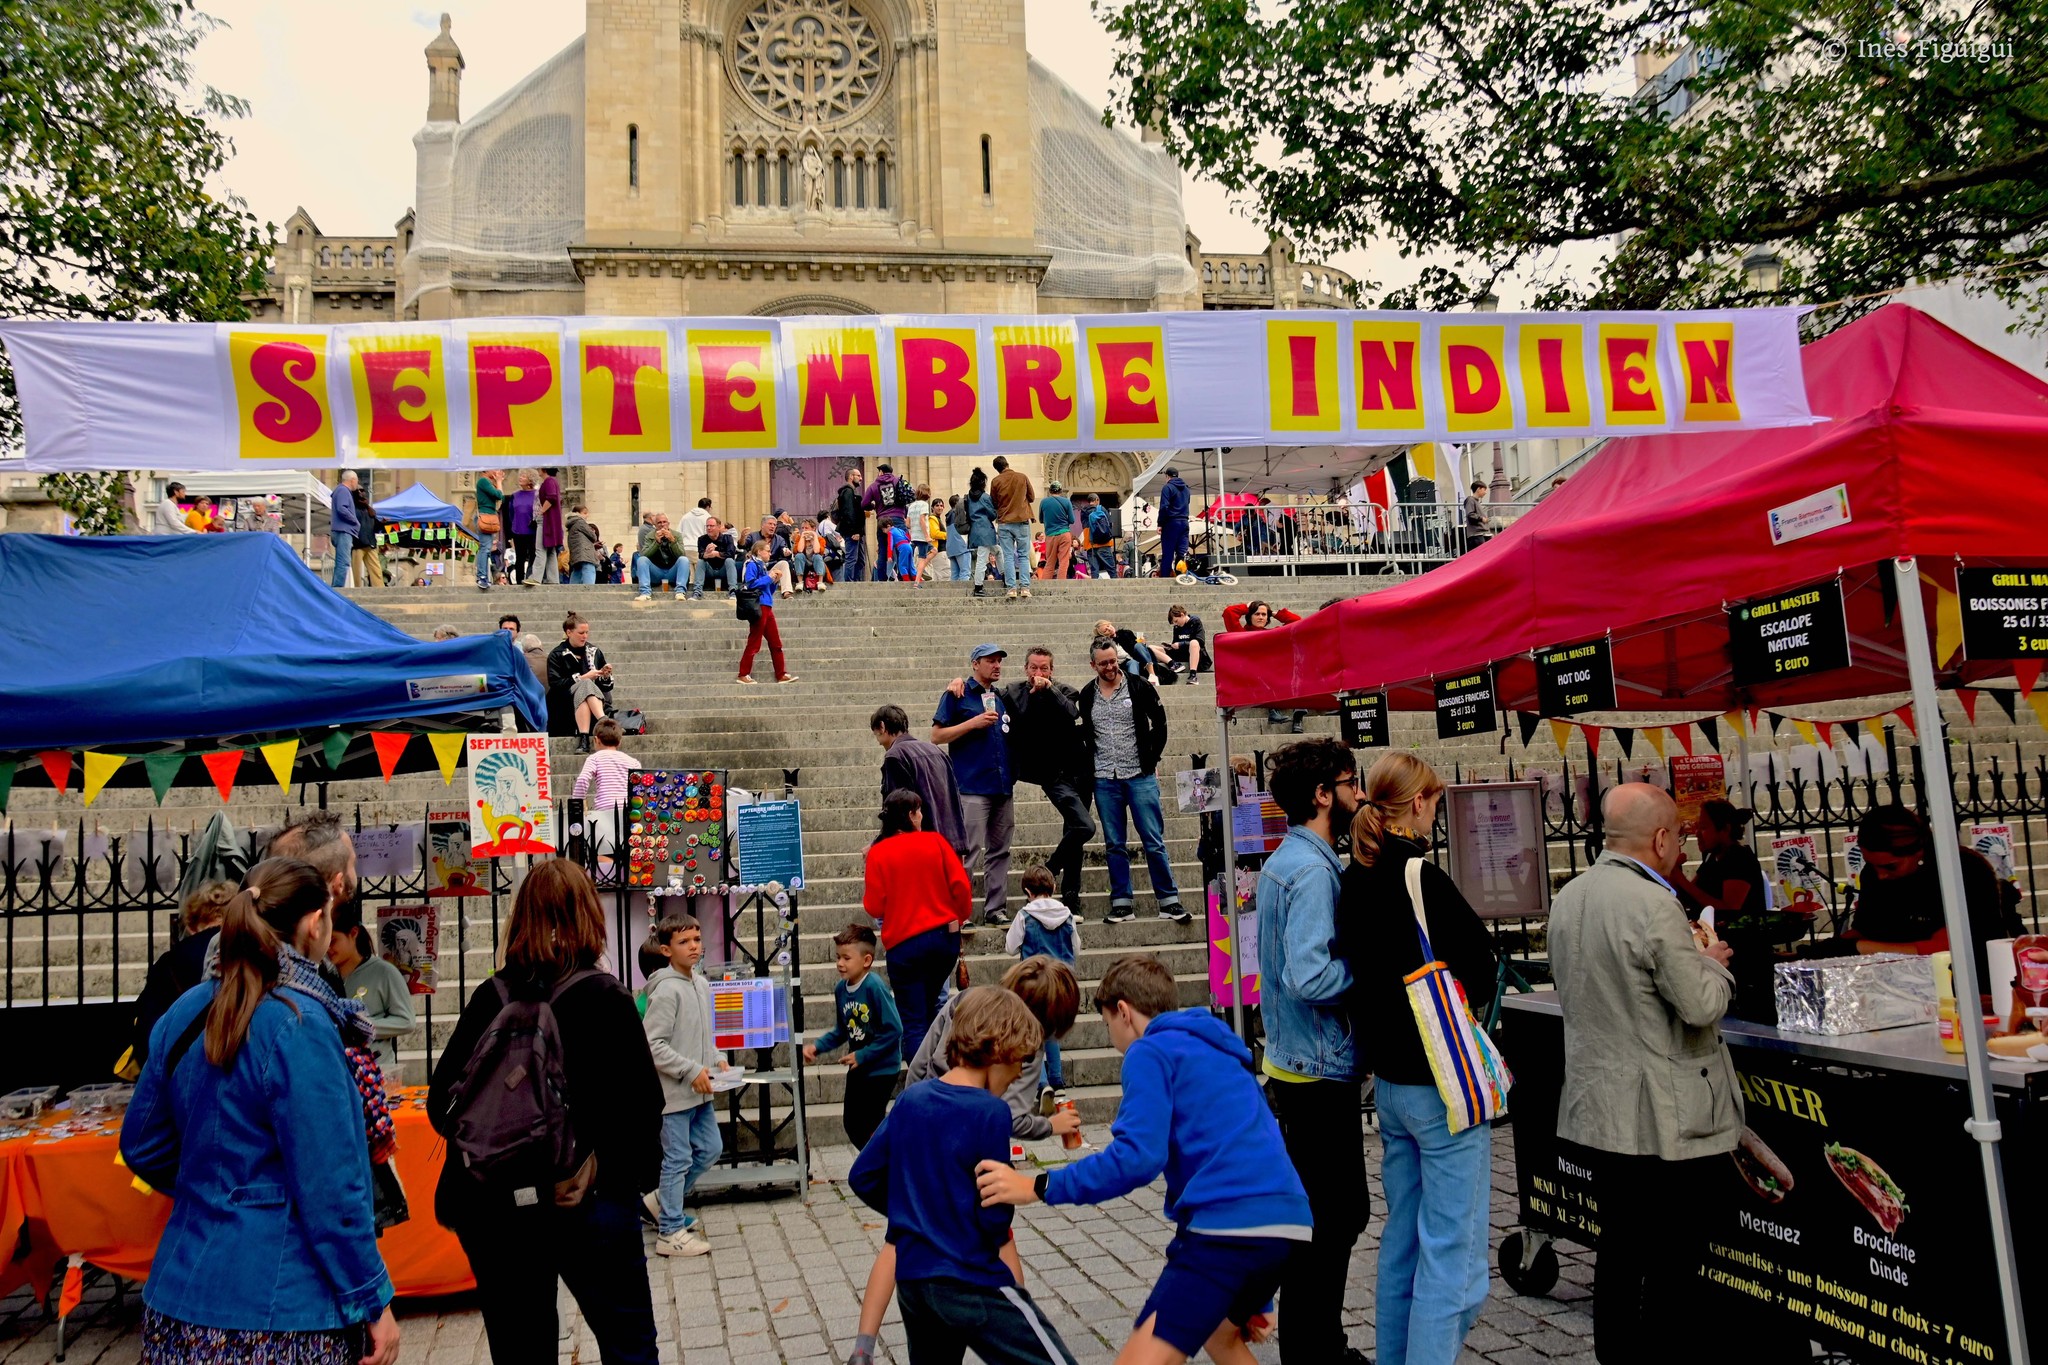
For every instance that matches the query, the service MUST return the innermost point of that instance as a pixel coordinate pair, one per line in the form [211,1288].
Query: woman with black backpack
[980,517]
[529,1210]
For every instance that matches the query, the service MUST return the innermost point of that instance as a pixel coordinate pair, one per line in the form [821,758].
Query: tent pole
[1939,796]
[1229,888]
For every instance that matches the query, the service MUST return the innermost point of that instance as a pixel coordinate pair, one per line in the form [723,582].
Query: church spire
[444,77]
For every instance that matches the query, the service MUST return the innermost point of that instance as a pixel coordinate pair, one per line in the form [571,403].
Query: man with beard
[1315,1073]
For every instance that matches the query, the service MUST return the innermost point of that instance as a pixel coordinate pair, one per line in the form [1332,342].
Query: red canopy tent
[1942,449]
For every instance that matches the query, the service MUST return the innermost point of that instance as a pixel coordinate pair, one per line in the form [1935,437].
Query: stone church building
[772,158]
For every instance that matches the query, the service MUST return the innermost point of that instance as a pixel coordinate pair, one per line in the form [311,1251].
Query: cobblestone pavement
[784,1277]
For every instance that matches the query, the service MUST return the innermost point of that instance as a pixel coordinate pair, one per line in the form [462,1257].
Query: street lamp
[1762,271]
[1497,488]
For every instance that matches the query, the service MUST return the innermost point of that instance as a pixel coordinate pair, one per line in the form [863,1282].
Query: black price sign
[2005,613]
[1575,678]
[1364,720]
[1788,635]
[1464,706]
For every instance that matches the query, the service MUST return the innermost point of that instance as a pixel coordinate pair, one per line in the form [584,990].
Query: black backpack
[963,520]
[508,1115]
[889,496]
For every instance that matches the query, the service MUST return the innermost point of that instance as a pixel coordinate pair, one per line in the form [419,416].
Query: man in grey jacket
[678,1025]
[1648,1084]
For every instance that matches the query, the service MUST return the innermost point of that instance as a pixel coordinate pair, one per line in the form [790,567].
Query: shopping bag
[1470,1075]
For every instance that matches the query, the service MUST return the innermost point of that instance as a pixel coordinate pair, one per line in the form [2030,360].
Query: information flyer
[1695,780]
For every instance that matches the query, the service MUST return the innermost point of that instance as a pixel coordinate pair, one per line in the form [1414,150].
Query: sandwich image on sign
[1761,1168]
[1877,1192]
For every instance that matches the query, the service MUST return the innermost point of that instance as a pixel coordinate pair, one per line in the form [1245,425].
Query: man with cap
[1173,523]
[1057,513]
[975,728]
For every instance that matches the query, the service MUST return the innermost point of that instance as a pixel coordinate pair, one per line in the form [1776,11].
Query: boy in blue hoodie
[1192,1109]
[870,1030]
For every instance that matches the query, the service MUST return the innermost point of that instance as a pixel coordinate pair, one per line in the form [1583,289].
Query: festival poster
[1695,780]
[409,938]
[509,801]
[1801,874]
[1222,975]
[1198,789]
[451,871]
[1995,843]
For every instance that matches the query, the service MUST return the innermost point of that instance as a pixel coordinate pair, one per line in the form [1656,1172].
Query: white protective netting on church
[500,197]
[1109,206]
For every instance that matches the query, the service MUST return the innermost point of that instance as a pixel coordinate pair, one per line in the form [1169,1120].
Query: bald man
[1648,1084]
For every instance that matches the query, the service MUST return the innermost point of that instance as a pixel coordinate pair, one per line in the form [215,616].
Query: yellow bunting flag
[1738,720]
[447,750]
[1874,727]
[1806,731]
[2039,701]
[1423,457]
[1561,731]
[1655,734]
[99,768]
[1948,622]
[280,756]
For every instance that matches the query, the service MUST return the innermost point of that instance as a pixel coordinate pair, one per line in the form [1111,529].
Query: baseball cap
[987,652]
[1056,487]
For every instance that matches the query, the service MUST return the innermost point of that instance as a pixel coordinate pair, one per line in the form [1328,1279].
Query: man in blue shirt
[1312,1061]
[1058,515]
[975,728]
[1173,523]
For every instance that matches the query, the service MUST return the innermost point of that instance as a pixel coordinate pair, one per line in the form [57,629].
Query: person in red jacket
[919,895]
[1257,615]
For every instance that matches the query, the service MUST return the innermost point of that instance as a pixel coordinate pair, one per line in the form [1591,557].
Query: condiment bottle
[1073,1139]
[1947,1023]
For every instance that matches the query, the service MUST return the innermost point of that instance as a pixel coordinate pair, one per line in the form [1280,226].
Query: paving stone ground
[784,1277]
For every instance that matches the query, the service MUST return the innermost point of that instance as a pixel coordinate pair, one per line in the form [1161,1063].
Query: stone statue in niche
[814,180]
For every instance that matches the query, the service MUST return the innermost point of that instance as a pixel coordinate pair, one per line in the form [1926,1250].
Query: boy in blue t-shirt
[869,1028]
[1192,1109]
[951,1282]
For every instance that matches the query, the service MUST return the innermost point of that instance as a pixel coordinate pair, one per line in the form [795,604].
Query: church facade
[774,158]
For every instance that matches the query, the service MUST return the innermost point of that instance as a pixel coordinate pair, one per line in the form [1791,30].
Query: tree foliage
[106,152]
[1868,145]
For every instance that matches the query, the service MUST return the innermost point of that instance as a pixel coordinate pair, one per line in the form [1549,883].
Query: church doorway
[806,487]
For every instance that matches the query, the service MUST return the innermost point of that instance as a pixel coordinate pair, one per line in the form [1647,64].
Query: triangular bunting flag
[1626,738]
[2039,701]
[1683,734]
[162,771]
[1967,698]
[1948,626]
[1655,734]
[57,765]
[1527,721]
[1772,720]
[1755,714]
[1736,721]
[1874,727]
[334,746]
[390,746]
[1827,733]
[1711,728]
[1561,732]
[6,782]
[1905,715]
[2028,671]
[2004,700]
[280,756]
[1806,731]
[222,767]
[99,768]
[1592,734]
[448,749]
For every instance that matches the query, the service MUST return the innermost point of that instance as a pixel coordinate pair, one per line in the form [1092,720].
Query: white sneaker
[681,1243]
[1023,592]
[651,1201]
[1011,595]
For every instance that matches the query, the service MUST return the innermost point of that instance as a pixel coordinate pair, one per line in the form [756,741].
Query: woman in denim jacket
[246,1114]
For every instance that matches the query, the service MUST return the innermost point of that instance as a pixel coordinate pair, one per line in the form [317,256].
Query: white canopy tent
[303,499]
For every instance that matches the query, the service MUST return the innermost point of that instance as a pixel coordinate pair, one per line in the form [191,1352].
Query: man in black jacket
[1124,728]
[850,519]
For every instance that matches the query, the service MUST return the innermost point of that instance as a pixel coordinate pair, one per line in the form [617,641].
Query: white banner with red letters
[478,393]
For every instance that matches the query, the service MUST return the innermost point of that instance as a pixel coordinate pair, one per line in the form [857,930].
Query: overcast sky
[336,92]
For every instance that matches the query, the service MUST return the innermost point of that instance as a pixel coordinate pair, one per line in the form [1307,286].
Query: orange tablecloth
[75,1198]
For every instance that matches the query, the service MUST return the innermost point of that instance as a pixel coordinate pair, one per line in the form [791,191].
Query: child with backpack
[953,1285]
[1045,928]
[678,1027]
[870,1030]
[1191,1109]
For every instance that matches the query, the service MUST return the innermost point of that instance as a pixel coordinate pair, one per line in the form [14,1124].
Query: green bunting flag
[6,782]
[334,746]
[162,771]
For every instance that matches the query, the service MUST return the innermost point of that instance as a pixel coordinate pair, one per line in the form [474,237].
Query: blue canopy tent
[153,644]
[420,504]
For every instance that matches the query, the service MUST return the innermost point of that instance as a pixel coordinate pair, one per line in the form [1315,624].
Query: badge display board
[1788,634]
[2005,613]
[771,844]
[1363,719]
[1464,706]
[678,837]
[1575,678]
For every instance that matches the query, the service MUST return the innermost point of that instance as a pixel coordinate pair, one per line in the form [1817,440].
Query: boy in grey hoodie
[678,1024]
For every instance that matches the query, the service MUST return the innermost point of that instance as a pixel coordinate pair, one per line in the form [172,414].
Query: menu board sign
[1464,706]
[1788,635]
[2005,613]
[1575,678]
[1363,719]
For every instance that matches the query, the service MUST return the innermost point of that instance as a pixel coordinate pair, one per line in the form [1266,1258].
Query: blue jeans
[919,968]
[729,569]
[583,573]
[1054,1075]
[690,1144]
[1173,546]
[490,552]
[1102,562]
[1432,1271]
[647,573]
[1139,798]
[807,564]
[1014,537]
[339,555]
[958,563]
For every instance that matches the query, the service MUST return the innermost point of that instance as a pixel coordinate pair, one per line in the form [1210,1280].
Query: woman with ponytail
[248,1116]
[1432,1267]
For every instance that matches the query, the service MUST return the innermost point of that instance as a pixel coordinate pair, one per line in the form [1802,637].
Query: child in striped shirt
[602,783]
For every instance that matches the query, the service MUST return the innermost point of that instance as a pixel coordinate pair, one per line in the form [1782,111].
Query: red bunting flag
[1684,733]
[1968,697]
[1827,733]
[2028,671]
[1905,715]
[1592,734]
[390,747]
[57,763]
[222,767]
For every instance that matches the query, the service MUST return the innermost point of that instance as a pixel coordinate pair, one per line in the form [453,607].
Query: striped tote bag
[1470,1075]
